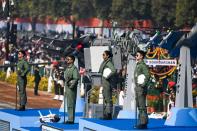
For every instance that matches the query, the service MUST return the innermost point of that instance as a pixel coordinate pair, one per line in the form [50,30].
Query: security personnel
[22,70]
[37,78]
[141,77]
[58,76]
[107,70]
[71,76]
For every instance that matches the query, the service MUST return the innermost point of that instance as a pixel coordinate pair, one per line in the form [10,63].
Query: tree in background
[34,9]
[81,9]
[129,10]
[142,9]
[168,13]
[186,12]
[102,9]
[62,9]
[122,10]
[163,12]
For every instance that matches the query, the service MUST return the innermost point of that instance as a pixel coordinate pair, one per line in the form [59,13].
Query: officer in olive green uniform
[141,77]
[71,76]
[107,70]
[22,70]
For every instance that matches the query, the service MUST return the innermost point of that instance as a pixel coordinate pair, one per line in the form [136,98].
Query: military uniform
[37,78]
[71,76]
[107,89]
[22,70]
[141,91]
[58,76]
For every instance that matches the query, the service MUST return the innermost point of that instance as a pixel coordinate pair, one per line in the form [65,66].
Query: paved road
[8,98]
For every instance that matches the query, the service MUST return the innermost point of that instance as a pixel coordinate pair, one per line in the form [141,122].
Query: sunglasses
[68,59]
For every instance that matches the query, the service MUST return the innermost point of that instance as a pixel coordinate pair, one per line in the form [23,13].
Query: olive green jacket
[22,68]
[71,76]
[141,68]
[107,64]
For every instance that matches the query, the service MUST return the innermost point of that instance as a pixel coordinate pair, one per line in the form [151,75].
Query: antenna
[50,112]
[40,113]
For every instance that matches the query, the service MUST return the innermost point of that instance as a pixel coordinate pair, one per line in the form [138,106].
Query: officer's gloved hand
[72,84]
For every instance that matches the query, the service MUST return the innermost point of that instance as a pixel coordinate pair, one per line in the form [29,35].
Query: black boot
[140,126]
[68,122]
[107,116]
[36,93]
[22,108]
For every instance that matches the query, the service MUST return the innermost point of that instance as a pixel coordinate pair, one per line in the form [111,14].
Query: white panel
[129,99]
[49,128]
[4,125]
[96,56]
[87,58]
[184,89]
